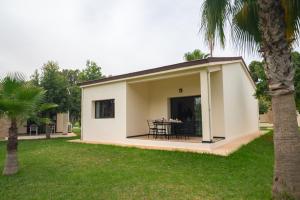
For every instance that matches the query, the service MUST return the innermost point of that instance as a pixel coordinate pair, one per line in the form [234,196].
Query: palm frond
[244,20]
[47,106]
[292,19]
[215,14]
[10,83]
[44,120]
[19,99]
[292,14]
[245,26]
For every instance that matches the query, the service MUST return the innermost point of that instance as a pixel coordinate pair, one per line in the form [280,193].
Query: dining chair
[33,128]
[161,128]
[152,128]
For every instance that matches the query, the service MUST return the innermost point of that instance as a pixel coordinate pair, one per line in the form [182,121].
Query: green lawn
[56,169]
[76,130]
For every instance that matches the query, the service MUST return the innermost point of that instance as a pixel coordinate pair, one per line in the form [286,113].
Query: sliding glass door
[188,110]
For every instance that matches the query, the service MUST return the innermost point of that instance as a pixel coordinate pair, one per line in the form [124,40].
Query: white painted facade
[62,123]
[228,107]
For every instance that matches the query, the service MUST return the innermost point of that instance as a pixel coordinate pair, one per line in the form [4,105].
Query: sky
[121,36]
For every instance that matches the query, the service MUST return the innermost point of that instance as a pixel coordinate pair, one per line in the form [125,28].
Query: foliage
[35,78]
[38,117]
[242,15]
[197,54]
[258,75]
[264,105]
[72,77]
[91,72]
[62,86]
[56,86]
[296,64]
[19,99]
[66,170]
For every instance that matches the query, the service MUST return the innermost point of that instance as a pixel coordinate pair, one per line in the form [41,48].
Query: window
[105,109]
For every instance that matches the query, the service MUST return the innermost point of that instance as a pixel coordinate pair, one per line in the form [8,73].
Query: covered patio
[189,139]
[194,98]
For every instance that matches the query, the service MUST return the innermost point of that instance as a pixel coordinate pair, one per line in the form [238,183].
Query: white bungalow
[203,102]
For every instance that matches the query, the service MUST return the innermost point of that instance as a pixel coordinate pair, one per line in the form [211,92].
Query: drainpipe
[209,104]
[81,114]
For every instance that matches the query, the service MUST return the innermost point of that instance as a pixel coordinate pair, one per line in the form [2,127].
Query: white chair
[33,128]
[70,128]
[50,128]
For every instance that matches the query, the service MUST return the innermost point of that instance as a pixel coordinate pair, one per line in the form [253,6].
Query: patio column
[205,106]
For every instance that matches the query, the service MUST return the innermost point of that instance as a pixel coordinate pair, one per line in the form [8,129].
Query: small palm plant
[197,54]
[39,117]
[18,101]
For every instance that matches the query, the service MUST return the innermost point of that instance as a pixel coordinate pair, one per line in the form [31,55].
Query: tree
[258,75]
[296,64]
[56,85]
[270,27]
[35,78]
[57,91]
[62,86]
[72,77]
[195,55]
[18,100]
[91,72]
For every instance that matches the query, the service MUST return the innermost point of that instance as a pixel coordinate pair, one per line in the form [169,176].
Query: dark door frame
[179,97]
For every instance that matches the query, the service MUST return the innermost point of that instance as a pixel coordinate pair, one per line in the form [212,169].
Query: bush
[264,105]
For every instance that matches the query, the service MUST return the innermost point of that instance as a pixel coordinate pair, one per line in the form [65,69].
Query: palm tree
[269,27]
[195,55]
[39,118]
[18,101]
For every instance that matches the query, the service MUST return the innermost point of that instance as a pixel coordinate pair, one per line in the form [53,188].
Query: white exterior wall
[217,105]
[240,105]
[137,108]
[109,129]
[162,90]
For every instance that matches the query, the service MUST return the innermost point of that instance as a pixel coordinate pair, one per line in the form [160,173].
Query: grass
[56,169]
[76,130]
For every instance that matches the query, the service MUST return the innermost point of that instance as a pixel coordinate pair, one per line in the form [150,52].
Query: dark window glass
[105,109]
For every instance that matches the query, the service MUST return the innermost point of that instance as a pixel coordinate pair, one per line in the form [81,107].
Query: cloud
[121,36]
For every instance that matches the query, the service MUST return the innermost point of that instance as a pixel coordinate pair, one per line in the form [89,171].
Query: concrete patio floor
[222,148]
[43,136]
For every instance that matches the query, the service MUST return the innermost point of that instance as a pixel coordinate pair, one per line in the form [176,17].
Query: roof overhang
[184,67]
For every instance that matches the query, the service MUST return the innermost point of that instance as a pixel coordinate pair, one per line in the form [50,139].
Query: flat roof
[161,69]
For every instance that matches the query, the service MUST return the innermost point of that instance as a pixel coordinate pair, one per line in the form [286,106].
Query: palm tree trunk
[11,163]
[48,134]
[280,73]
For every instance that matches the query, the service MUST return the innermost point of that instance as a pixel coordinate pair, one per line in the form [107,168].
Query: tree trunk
[11,163]
[287,148]
[280,73]
[48,134]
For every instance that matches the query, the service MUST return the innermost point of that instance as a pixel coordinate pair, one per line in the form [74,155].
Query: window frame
[100,102]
